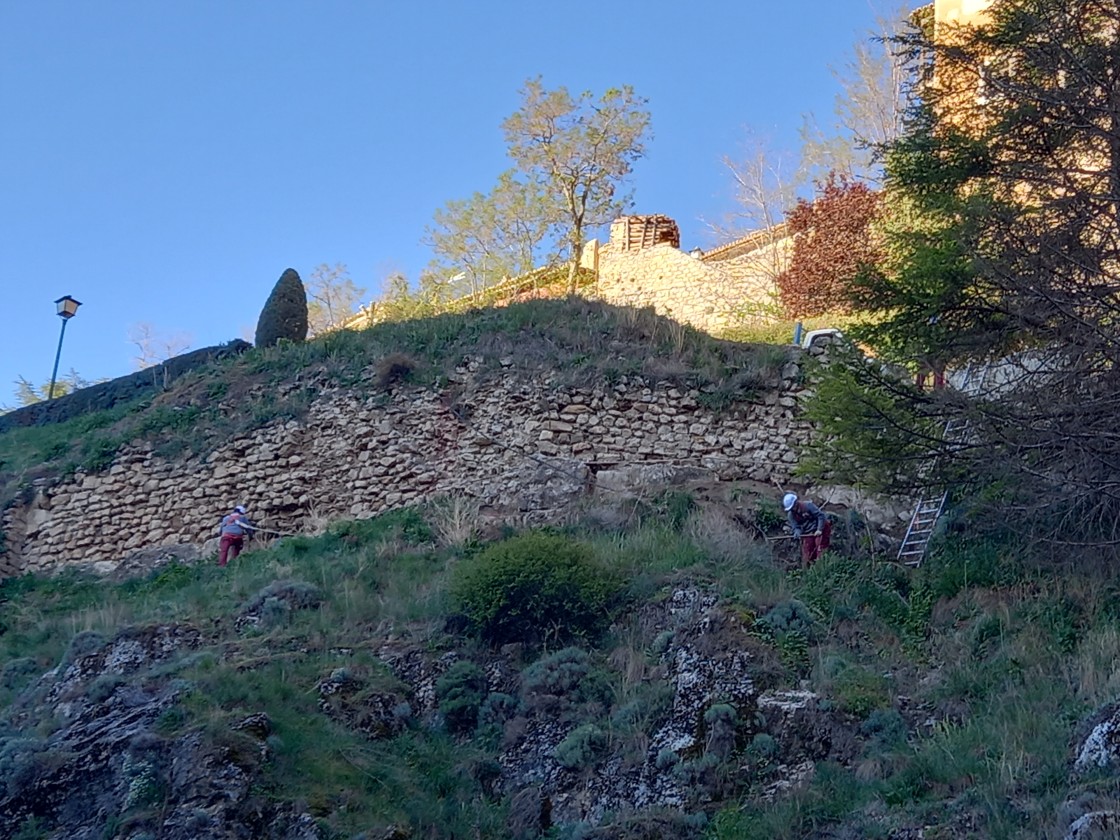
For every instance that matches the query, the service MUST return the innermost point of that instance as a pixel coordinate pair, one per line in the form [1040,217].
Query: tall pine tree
[1002,254]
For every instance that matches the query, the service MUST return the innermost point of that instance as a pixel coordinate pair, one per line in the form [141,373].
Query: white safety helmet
[788,501]
[241,509]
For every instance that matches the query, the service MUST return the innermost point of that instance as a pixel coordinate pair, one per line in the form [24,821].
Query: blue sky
[164,161]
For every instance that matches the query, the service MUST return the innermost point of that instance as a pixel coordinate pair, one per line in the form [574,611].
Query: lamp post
[67,308]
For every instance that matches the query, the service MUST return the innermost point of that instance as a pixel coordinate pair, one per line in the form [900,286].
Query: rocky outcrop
[112,759]
[106,762]
[1100,749]
[524,449]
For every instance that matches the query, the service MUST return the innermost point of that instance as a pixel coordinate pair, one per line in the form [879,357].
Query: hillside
[655,665]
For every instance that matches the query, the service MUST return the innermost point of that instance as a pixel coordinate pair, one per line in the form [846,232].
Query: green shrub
[144,784]
[534,586]
[581,747]
[394,368]
[720,722]
[293,594]
[26,761]
[667,759]
[884,727]
[557,679]
[832,584]
[860,691]
[275,612]
[406,524]
[460,693]
[964,563]
[557,673]
[793,650]
[701,774]
[495,711]
[762,749]
[83,644]
[284,316]
[18,673]
[102,688]
[785,617]
[673,508]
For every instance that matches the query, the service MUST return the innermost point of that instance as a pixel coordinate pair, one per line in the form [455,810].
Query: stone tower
[959,11]
[633,233]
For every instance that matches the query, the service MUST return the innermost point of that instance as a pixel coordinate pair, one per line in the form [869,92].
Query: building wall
[711,295]
[675,284]
[357,455]
[960,11]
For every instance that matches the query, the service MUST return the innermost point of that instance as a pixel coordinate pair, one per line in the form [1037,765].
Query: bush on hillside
[581,747]
[534,586]
[394,368]
[557,680]
[460,693]
[284,315]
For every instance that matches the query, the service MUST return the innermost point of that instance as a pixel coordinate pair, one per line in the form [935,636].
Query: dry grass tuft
[455,519]
[1097,665]
[394,368]
[716,531]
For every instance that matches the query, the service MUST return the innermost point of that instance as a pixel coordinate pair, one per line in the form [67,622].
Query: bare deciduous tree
[766,182]
[868,111]
[153,346]
[331,297]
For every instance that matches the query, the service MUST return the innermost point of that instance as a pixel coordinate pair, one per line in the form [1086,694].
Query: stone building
[642,265]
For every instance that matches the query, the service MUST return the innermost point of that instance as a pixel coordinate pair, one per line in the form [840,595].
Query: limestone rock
[1101,747]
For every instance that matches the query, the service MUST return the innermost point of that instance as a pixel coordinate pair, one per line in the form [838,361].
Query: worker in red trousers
[234,528]
[810,525]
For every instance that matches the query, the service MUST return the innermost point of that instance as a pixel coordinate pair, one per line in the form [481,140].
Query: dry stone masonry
[522,448]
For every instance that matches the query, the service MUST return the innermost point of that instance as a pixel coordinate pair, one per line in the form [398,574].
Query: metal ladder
[928,511]
[922,524]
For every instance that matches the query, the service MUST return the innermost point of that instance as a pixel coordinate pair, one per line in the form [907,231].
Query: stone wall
[522,448]
[673,283]
[727,287]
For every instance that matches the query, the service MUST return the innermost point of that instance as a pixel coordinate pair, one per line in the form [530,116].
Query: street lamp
[67,309]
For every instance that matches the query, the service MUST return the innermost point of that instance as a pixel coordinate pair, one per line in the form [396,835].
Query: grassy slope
[967,678]
[991,666]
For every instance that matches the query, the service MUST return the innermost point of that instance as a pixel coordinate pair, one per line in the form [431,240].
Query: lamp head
[67,307]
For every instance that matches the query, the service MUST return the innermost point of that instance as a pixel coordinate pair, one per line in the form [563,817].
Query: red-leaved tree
[834,241]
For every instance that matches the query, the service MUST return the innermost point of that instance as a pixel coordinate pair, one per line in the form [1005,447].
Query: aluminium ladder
[930,506]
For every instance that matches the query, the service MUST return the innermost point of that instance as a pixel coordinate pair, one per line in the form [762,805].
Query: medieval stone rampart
[522,448]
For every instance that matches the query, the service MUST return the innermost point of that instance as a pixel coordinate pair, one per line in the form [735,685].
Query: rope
[257,530]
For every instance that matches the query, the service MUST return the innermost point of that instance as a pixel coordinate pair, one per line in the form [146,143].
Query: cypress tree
[284,315]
